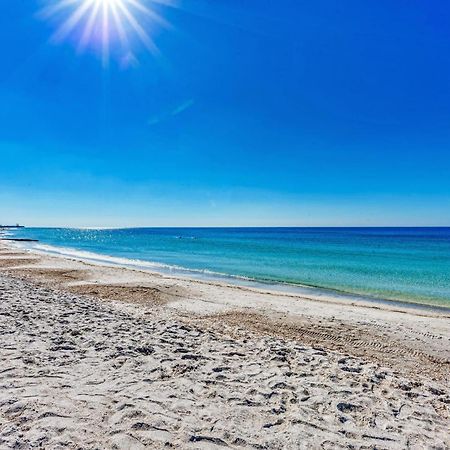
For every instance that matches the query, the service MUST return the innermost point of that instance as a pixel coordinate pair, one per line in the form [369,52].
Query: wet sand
[104,357]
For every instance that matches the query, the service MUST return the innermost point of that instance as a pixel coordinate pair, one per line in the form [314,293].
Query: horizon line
[231,226]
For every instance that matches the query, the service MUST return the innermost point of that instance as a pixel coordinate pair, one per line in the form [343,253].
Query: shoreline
[305,291]
[107,357]
[202,299]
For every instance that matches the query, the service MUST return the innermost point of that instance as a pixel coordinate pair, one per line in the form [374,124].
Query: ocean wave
[83,255]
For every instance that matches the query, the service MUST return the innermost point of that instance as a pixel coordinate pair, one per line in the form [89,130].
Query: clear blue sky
[254,112]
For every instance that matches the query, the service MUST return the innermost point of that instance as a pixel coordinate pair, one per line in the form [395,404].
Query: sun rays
[102,24]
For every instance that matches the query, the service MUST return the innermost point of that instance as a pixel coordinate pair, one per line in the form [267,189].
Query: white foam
[82,255]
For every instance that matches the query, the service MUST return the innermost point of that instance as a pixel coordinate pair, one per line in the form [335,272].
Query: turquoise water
[406,264]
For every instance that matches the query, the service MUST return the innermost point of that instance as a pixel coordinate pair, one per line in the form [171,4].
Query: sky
[231,113]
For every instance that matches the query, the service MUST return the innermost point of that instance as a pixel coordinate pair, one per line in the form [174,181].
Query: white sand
[169,362]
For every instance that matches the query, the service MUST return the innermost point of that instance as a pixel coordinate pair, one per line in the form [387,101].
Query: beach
[101,356]
[224,225]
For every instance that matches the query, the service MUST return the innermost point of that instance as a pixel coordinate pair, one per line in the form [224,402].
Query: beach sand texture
[103,357]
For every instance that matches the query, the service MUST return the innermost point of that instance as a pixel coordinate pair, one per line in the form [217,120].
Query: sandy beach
[224,225]
[96,356]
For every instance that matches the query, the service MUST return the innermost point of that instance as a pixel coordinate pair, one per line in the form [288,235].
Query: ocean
[397,264]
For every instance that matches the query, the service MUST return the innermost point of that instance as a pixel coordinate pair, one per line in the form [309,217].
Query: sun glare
[104,23]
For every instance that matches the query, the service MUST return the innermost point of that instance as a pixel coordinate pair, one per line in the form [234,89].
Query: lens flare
[102,23]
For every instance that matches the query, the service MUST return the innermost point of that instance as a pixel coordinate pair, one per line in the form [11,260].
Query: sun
[103,23]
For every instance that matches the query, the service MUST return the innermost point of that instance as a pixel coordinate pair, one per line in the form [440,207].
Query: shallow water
[406,264]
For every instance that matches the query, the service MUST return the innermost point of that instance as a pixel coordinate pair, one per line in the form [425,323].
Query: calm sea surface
[406,264]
